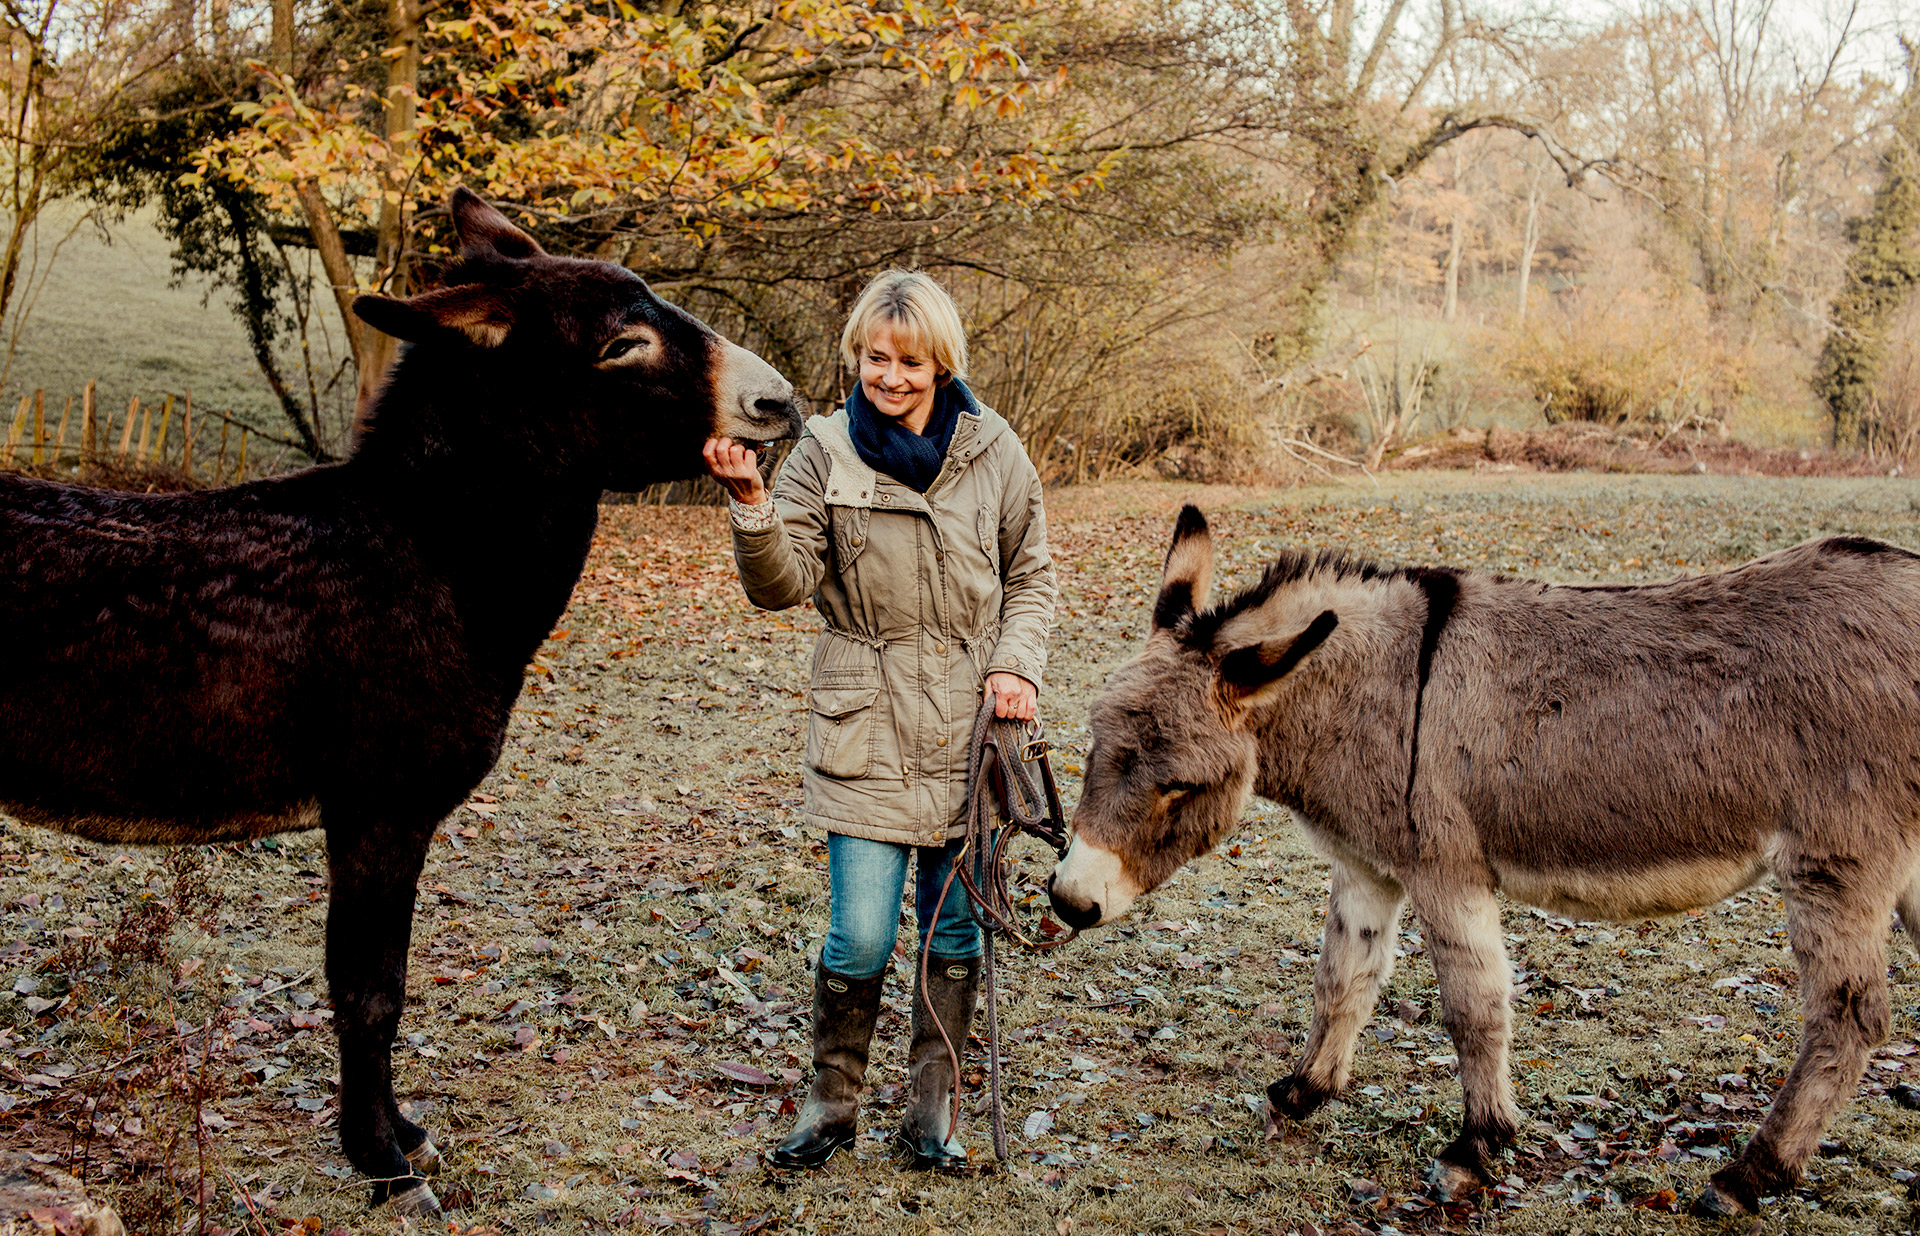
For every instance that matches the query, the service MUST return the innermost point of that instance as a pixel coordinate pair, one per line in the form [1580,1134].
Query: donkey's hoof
[416,1201]
[1295,1098]
[1718,1203]
[1449,1182]
[425,1158]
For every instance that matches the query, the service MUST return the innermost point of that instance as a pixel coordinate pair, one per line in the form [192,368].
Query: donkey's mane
[1292,566]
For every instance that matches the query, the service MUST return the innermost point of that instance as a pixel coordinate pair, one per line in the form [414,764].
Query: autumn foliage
[1173,227]
[682,118]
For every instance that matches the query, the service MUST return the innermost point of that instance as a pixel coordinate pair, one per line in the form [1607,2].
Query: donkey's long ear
[481,313]
[480,226]
[1188,575]
[1248,674]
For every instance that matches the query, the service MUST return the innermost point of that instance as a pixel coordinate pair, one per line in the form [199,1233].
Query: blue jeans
[867,879]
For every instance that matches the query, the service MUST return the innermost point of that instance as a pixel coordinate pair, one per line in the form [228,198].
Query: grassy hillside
[111,310]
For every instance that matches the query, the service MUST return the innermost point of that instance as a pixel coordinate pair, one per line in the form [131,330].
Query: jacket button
[856,542]
[939,647]
[940,741]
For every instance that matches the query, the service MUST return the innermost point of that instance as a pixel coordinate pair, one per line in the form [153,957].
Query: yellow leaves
[596,108]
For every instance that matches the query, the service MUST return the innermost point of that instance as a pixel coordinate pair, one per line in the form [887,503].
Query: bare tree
[71,66]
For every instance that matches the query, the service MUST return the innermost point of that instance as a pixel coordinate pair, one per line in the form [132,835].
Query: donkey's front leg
[1462,926]
[1838,935]
[1356,956]
[375,867]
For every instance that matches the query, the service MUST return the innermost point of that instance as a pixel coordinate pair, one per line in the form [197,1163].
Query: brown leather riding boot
[844,1010]
[953,985]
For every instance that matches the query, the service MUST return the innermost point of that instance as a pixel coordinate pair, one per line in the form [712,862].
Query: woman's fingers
[734,466]
[728,458]
[1014,698]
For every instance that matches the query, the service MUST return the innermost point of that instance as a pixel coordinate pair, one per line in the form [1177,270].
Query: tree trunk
[1451,306]
[1456,240]
[390,236]
[30,160]
[320,221]
[1530,239]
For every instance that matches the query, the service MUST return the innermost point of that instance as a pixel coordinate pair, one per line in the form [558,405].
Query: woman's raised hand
[737,469]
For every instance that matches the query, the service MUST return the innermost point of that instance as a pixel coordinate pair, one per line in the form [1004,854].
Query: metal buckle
[1036,745]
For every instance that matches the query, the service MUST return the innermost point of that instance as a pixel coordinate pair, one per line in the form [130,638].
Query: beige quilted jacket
[923,596]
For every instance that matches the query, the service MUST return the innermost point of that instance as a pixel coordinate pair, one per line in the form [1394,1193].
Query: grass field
[629,905]
[109,310]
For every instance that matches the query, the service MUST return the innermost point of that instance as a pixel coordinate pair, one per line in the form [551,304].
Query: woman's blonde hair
[924,320]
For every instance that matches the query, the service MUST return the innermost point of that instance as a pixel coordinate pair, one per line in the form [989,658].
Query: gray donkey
[1602,752]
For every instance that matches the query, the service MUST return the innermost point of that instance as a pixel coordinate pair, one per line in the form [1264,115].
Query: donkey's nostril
[1077,917]
[769,406]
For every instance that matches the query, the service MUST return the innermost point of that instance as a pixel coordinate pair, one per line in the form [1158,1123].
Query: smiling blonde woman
[913,519]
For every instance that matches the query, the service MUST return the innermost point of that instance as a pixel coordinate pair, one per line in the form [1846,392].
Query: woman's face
[896,382]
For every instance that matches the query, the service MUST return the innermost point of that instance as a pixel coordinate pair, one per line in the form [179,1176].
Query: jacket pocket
[849,534]
[840,730]
[987,522]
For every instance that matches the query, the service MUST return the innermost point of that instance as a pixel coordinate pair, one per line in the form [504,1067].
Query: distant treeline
[1202,238]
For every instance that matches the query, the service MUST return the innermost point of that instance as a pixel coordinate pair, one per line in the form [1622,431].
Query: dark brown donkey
[341,648]
[1601,752]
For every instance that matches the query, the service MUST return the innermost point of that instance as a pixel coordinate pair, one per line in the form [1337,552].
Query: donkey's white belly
[1623,896]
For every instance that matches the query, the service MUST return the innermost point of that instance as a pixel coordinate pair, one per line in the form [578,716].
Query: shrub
[1630,353]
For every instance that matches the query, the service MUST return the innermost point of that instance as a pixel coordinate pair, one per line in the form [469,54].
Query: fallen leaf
[743,1073]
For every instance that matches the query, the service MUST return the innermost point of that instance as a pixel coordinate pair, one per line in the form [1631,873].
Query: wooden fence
[168,437]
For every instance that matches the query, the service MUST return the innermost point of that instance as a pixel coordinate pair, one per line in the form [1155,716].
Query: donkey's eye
[628,349]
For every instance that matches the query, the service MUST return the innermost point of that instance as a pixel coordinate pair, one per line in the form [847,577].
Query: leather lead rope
[1003,799]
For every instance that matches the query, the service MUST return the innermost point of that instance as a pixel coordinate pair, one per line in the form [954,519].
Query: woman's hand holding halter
[1014,698]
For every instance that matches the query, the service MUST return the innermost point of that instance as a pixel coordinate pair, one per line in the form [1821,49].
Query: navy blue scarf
[913,459]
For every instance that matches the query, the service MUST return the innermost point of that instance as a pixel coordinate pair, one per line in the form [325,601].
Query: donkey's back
[203,666]
[1626,751]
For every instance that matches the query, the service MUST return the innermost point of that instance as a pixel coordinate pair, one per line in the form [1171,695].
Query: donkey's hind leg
[1356,957]
[1462,925]
[375,867]
[1908,907]
[1837,924]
